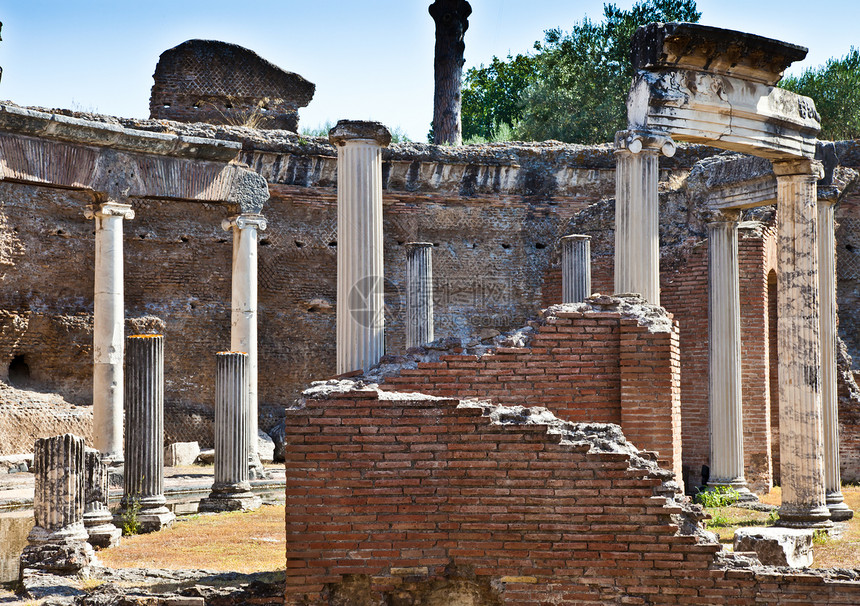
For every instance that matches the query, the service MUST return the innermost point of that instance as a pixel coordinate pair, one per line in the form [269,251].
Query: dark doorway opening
[19,372]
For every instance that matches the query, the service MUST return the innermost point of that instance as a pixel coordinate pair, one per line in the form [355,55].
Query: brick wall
[402,499]
[585,366]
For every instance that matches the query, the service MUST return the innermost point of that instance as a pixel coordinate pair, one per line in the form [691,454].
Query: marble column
[724,354]
[144,433]
[575,268]
[360,286]
[231,490]
[97,517]
[58,541]
[419,293]
[839,511]
[243,316]
[801,448]
[108,319]
[637,210]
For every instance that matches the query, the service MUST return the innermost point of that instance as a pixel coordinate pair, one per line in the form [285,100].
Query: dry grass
[237,542]
[842,552]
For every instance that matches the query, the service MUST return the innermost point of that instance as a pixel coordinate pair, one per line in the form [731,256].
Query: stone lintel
[725,112]
[21,121]
[714,50]
[117,175]
[349,130]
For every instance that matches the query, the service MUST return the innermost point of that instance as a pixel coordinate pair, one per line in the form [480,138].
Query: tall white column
[637,210]
[801,448]
[143,482]
[575,268]
[724,354]
[419,293]
[231,490]
[360,285]
[829,400]
[108,319]
[243,316]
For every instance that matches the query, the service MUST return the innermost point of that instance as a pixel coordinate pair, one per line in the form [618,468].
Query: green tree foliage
[575,85]
[835,88]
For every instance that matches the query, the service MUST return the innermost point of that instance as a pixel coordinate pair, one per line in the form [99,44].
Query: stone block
[206,456]
[265,447]
[278,434]
[777,546]
[181,453]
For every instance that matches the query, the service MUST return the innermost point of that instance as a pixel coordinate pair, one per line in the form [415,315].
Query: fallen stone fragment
[777,546]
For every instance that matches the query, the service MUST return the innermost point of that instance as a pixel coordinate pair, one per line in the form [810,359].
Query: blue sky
[370,59]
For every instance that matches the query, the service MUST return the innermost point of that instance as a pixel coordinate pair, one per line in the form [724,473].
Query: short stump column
[143,489]
[232,488]
[58,541]
[575,268]
[97,517]
[419,293]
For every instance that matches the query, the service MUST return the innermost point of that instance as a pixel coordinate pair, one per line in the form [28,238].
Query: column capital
[358,130]
[799,167]
[245,221]
[109,209]
[713,215]
[635,141]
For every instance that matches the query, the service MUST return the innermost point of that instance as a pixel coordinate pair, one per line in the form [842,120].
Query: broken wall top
[221,83]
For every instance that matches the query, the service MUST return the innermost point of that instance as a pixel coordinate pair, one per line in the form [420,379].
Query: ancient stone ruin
[491,429]
[220,83]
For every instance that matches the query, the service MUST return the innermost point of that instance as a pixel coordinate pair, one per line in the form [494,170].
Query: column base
[62,552]
[100,529]
[792,516]
[739,485]
[839,511]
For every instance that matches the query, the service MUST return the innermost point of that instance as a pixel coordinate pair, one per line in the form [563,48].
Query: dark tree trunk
[451,17]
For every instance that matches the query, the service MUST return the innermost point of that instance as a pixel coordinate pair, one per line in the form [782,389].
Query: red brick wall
[684,293]
[585,367]
[394,499]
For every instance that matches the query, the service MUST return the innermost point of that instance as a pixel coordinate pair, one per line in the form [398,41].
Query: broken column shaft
[232,488]
[58,541]
[637,205]
[724,354]
[360,287]
[243,316]
[144,432]
[829,399]
[108,317]
[575,268]
[799,347]
[419,293]
[97,517]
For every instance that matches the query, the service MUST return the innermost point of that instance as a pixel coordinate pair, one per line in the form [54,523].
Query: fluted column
[829,400]
[232,488]
[360,287]
[419,293]
[637,212]
[724,354]
[801,449]
[575,268]
[144,434]
[108,318]
[58,541]
[243,316]
[97,517]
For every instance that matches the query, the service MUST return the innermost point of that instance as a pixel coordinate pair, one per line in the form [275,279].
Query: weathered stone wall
[399,498]
[222,83]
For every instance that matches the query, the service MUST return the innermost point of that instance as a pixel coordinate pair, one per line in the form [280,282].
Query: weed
[130,516]
[772,517]
[820,537]
[718,496]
